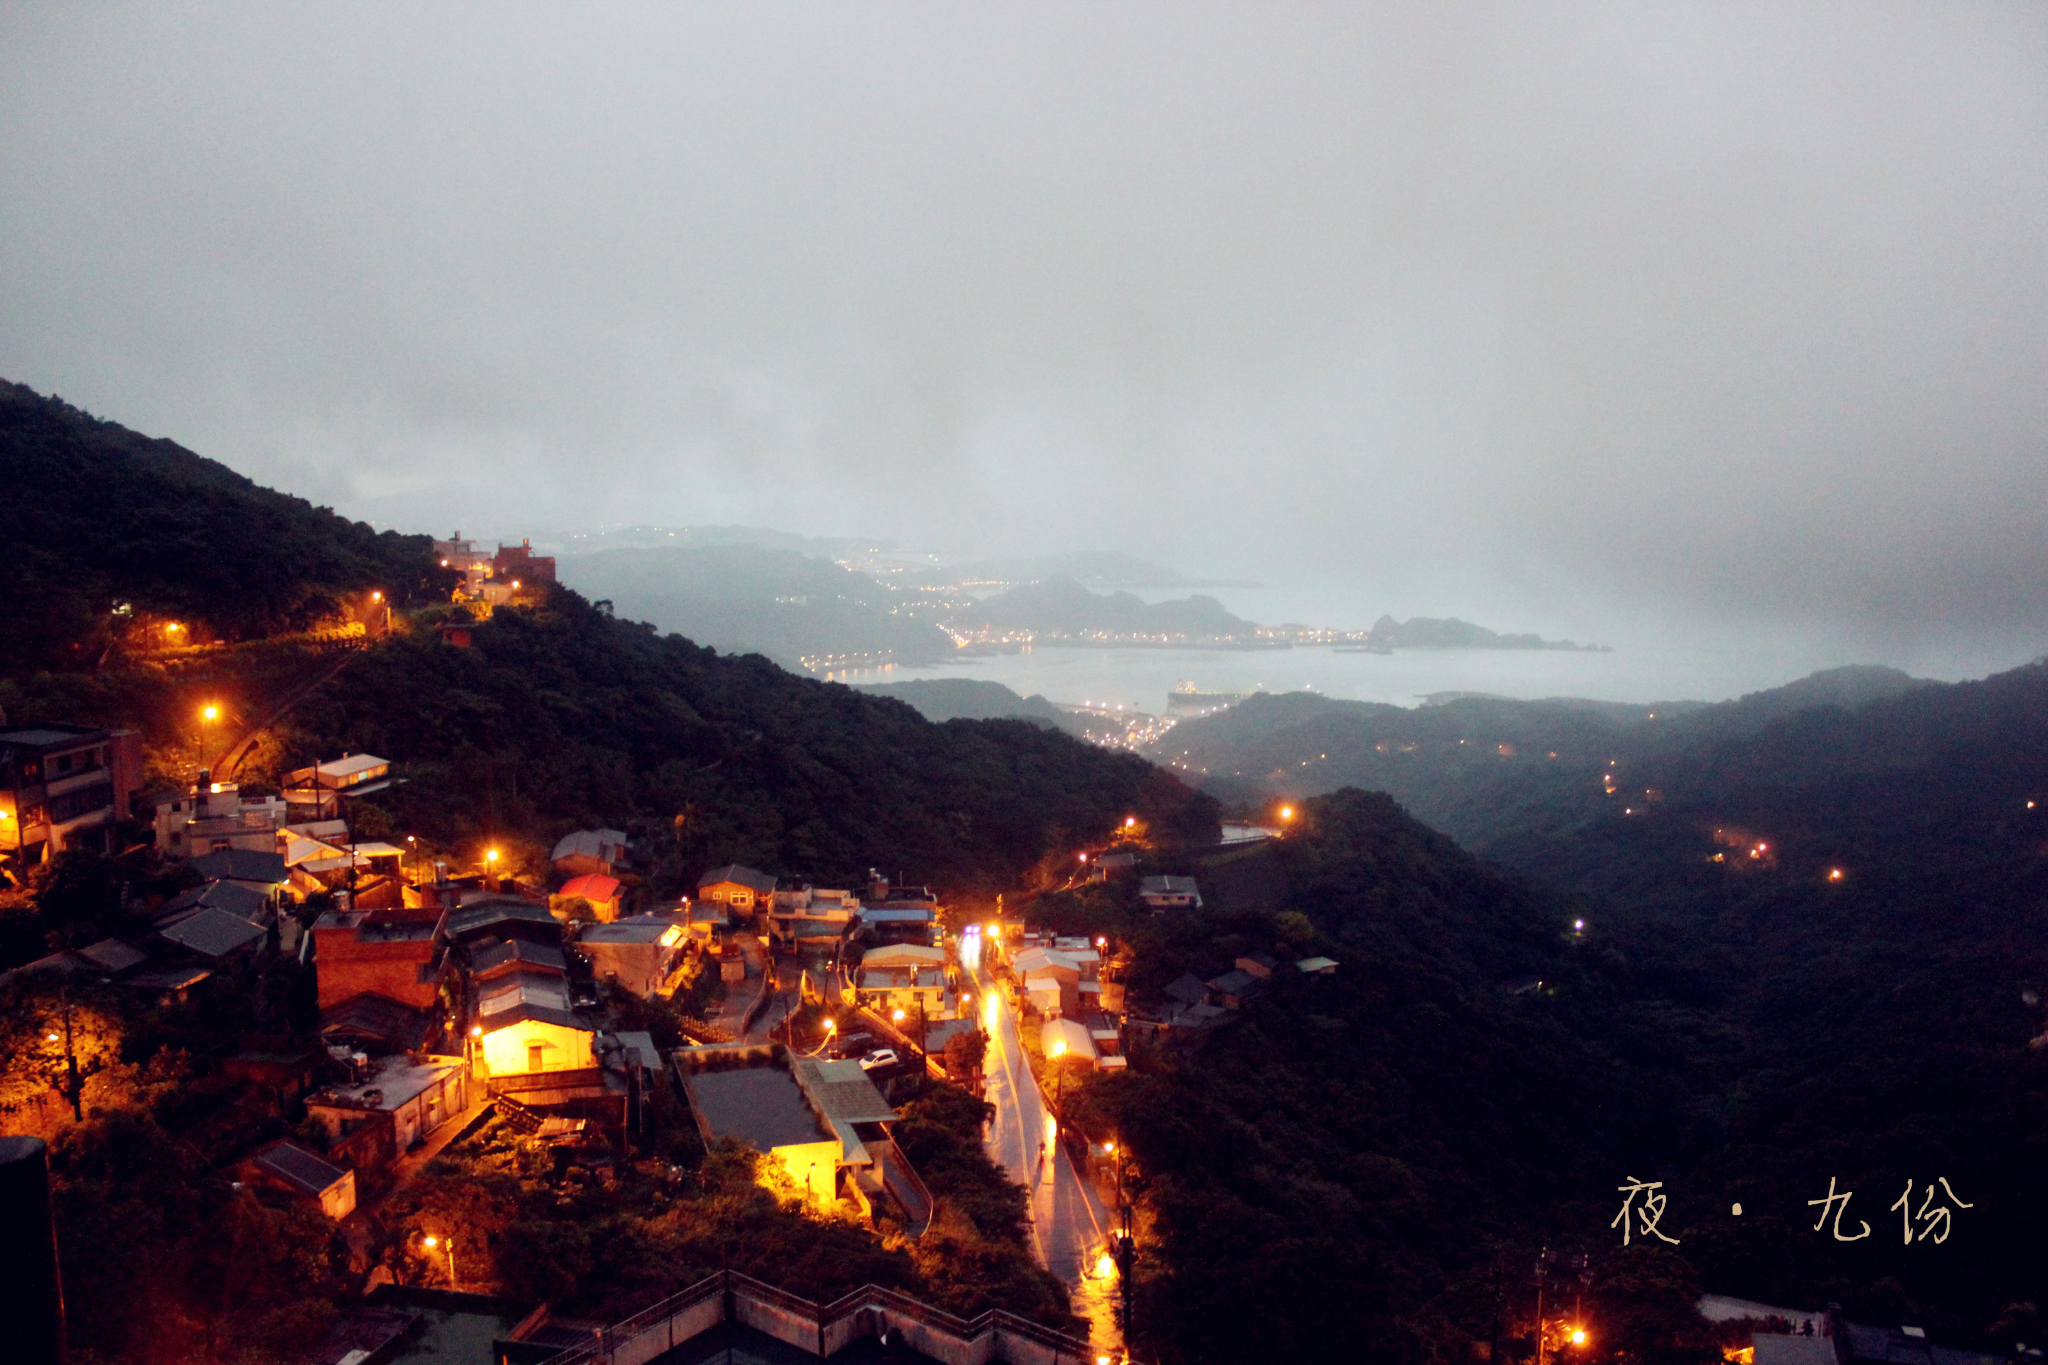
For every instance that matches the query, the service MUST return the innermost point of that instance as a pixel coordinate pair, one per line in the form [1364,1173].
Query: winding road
[1069,1227]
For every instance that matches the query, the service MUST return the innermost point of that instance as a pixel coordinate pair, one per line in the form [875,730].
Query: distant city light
[1579,925]
[1835,874]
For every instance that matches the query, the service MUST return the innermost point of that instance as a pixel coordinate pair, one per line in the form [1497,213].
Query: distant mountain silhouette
[944,699]
[750,599]
[1063,604]
[1426,632]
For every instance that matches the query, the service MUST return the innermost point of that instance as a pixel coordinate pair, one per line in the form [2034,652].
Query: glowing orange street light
[211,713]
[490,855]
[831,1026]
[1130,820]
[1578,1336]
[897,1016]
[1287,812]
[1834,874]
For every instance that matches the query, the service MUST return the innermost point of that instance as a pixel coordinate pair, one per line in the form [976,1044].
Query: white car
[883,1057]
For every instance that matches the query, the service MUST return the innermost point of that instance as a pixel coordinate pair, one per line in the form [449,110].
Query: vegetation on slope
[1363,1146]
[113,531]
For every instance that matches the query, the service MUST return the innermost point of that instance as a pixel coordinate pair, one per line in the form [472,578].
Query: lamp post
[448,1242]
[207,715]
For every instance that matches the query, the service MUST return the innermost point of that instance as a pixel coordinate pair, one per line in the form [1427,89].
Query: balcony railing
[822,1329]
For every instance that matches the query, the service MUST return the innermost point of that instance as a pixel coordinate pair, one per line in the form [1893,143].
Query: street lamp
[207,715]
[448,1242]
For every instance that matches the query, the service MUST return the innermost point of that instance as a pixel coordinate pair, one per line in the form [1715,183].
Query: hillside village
[563,1008]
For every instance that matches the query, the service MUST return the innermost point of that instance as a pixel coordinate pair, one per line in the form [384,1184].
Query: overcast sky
[1574,318]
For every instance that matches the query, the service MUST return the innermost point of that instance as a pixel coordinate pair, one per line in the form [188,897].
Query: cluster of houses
[1191,1003]
[437,993]
[491,577]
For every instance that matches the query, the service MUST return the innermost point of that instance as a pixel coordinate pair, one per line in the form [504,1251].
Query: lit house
[599,892]
[1169,893]
[903,976]
[636,954]
[806,916]
[742,889]
[59,782]
[1052,981]
[390,1103]
[824,1122]
[321,788]
[526,1031]
[213,817]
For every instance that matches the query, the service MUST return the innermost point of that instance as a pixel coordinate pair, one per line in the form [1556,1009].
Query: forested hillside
[1356,1153]
[111,531]
[560,717]
[1836,895]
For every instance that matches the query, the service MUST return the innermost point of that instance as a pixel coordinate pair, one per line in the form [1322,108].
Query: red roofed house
[599,891]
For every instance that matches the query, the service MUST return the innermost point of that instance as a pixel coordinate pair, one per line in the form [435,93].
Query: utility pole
[74,1086]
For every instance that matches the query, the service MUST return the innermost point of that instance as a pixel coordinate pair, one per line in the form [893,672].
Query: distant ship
[1186,697]
[1367,648]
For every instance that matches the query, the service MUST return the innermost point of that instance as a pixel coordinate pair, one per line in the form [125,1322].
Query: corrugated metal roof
[300,1168]
[214,933]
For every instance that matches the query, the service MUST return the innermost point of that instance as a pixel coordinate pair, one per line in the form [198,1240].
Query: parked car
[854,1045]
[878,1059]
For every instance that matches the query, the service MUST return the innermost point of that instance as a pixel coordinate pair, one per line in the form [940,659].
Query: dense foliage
[560,717]
[1815,941]
[110,527]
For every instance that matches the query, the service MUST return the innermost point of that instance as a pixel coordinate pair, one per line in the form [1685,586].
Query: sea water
[1140,679]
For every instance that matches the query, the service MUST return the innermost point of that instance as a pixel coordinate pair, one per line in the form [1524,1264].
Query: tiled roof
[214,933]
